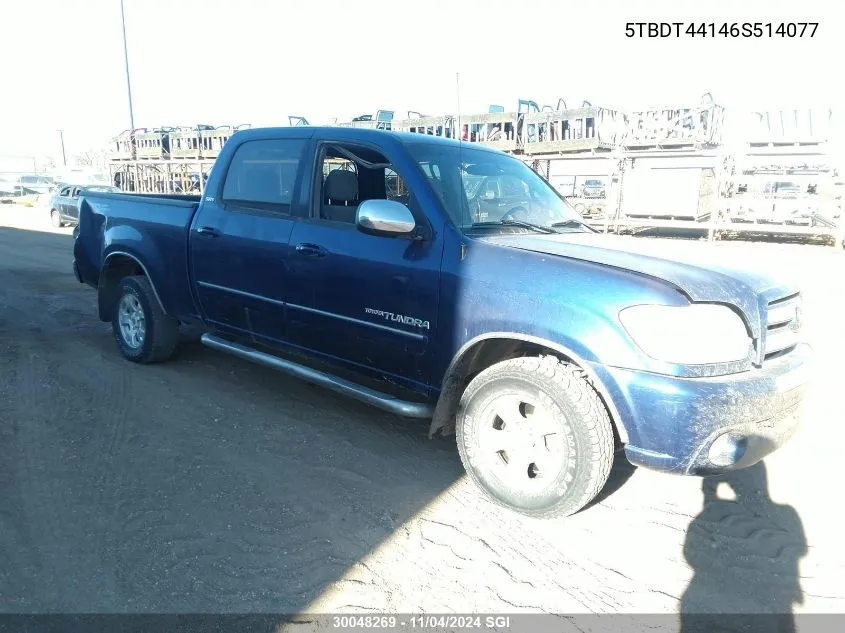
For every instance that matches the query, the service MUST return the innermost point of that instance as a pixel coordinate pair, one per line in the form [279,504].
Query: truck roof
[360,134]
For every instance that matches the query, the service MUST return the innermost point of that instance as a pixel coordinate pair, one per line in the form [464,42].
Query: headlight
[698,334]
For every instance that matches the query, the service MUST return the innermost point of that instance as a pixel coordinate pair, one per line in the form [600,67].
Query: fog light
[727,449]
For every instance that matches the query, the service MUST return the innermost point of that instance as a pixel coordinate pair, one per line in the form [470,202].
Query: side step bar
[377,399]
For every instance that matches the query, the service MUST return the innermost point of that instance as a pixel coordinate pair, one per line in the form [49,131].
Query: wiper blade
[573,222]
[520,223]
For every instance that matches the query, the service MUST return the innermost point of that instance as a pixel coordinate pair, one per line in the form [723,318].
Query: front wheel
[55,219]
[534,435]
[144,333]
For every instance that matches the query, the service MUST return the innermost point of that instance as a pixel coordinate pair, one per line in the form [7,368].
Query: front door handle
[210,231]
[310,250]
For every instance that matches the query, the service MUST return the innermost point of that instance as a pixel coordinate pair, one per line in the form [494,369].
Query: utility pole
[458,95]
[126,62]
[62,139]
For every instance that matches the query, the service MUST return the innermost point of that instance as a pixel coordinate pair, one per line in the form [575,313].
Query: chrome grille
[783,323]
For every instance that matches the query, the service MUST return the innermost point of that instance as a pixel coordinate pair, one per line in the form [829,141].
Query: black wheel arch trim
[143,268]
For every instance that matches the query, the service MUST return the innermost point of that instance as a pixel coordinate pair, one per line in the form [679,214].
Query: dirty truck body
[545,346]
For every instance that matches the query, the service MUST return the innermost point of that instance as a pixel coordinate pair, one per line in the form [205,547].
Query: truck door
[239,240]
[370,301]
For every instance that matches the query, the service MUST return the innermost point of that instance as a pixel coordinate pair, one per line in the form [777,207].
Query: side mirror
[385,217]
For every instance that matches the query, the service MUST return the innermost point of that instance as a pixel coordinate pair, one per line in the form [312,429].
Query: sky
[258,61]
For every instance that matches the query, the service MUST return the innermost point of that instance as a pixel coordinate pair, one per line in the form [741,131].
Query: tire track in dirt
[52,432]
[37,411]
[16,556]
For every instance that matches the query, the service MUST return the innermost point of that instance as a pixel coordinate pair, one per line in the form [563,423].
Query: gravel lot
[207,484]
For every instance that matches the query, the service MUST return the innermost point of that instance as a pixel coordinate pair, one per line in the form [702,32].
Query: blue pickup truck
[380,265]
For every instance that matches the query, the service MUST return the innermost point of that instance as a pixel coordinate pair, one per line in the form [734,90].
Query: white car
[27,185]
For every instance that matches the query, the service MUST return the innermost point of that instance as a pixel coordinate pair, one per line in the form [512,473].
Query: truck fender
[453,383]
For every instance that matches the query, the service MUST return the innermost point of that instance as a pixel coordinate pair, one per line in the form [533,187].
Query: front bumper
[673,423]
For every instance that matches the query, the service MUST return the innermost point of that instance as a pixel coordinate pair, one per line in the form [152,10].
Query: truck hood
[701,271]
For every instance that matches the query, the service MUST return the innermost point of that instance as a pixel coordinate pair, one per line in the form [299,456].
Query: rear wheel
[144,333]
[55,219]
[535,436]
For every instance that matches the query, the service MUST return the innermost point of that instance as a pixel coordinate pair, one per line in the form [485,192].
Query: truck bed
[150,228]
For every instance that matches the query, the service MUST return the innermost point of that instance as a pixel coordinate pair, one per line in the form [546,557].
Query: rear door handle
[311,250]
[210,231]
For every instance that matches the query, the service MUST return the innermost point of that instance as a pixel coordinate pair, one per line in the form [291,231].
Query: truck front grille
[783,323]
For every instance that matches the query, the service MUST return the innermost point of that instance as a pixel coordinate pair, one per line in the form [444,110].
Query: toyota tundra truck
[357,260]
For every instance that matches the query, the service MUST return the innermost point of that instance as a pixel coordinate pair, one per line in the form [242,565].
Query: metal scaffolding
[186,176]
[667,167]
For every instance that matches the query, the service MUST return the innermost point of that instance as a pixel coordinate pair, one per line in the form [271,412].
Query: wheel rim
[131,320]
[521,443]
[55,217]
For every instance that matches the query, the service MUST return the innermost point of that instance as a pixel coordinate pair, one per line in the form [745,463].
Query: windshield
[481,189]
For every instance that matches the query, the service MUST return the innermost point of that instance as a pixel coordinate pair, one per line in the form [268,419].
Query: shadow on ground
[740,539]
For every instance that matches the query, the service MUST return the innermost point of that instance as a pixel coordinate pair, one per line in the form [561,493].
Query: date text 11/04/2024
[435,622]
[724,29]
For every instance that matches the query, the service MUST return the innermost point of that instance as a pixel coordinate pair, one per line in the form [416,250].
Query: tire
[56,219]
[574,446]
[160,332]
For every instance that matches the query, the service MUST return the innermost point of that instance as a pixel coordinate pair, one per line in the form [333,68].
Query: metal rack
[643,157]
[161,176]
[186,142]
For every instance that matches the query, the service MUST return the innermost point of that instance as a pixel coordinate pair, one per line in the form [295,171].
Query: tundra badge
[400,318]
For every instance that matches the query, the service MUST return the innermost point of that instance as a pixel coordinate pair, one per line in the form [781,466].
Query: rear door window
[263,174]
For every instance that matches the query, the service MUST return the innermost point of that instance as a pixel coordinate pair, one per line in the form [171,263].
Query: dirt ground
[207,484]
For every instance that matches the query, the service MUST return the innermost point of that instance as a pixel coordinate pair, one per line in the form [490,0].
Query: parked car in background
[64,202]
[593,189]
[34,184]
[26,185]
[9,186]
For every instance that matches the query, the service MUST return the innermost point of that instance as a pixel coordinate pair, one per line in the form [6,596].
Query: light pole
[62,139]
[126,62]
